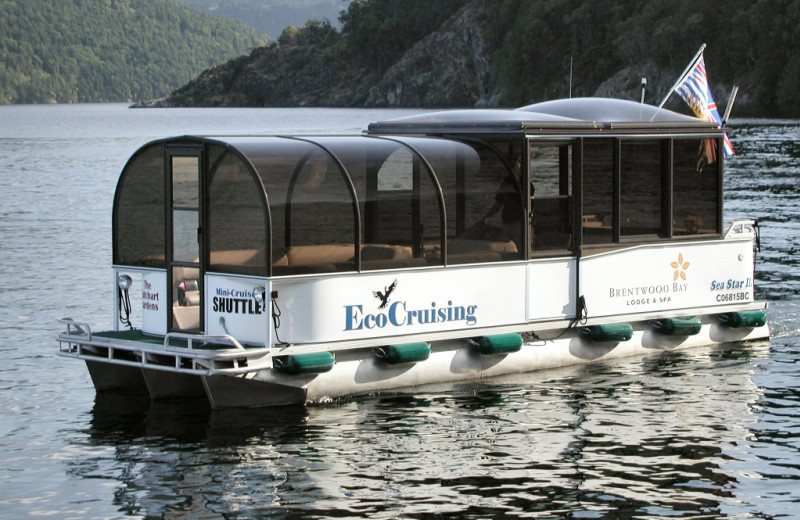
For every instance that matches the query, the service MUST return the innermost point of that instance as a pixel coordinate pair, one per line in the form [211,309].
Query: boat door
[555,166]
[184,239]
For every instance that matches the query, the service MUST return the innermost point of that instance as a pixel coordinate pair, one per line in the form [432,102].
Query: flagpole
[683,74]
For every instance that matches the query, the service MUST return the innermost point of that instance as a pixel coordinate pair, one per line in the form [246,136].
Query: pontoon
[436,248]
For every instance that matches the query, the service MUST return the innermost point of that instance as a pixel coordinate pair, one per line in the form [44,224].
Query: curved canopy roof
[469,120]
[607,110]
[568,114]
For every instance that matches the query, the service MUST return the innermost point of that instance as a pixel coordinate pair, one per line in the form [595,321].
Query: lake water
[706,433]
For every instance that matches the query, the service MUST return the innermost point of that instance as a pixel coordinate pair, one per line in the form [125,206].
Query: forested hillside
[397,52]
[109,50]
[751,42]
[515,52]
[319,65]
[271,16]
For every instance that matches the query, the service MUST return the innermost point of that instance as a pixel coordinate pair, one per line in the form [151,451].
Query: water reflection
[711,433]
[764,461]
[761,183]
[654,437]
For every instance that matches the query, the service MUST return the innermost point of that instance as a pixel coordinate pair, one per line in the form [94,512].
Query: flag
[693,88]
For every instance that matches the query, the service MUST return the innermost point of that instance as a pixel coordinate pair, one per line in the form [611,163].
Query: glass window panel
[185,247]
[185,209]
[313,221]
[237,219]
[185,193]
[396,172]
[695,195]
[139,212]
[485,205]
[398,202]
[551,169]
[551,203]
[320,206]
[598,191]
[641,168]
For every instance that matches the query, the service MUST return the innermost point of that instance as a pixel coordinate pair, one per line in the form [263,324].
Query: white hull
[167,374]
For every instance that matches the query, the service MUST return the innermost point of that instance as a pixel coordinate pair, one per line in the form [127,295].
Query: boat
[436,248]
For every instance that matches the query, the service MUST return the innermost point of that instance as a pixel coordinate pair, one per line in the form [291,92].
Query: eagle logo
[384,296]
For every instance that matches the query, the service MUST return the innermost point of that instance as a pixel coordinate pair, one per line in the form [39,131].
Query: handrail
[739,227]
[191,338]
[77,328]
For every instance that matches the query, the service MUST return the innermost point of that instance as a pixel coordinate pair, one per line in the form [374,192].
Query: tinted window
[695,190]
[314,225]
[484,201]
[551,181]
[139,211]
[598,191]
[641,173]
[398,202]
[237,219]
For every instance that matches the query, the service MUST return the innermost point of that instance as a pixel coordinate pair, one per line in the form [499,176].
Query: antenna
[644,87]
[731,100]
[570,75]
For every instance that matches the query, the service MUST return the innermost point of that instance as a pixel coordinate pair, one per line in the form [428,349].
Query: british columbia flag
[694,90]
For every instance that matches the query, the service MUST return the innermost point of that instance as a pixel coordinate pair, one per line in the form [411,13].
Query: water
[708,433]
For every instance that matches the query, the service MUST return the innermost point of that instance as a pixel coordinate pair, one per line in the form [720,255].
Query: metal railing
[202,354]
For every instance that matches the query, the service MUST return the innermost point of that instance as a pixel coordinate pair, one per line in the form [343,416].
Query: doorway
[185,238]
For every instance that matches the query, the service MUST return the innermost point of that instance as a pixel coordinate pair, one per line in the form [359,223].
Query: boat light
[258,293]
[124,282]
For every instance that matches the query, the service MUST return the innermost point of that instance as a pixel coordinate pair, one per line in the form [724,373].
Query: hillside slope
[109,50]
[316,65]
[271,16]
[516,52]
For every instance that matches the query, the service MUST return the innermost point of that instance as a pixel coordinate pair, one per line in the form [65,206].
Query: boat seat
[473,251]
[186,318]
[186,291]
[476,258]
[286,270]
[339,257]
[237,257]
[551,240]
[376,252]
[319,254]
[186,298]
[468,245]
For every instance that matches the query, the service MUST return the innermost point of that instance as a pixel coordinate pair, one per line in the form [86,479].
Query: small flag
[694,90]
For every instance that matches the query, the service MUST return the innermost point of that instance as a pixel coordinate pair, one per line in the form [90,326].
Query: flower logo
[680,268]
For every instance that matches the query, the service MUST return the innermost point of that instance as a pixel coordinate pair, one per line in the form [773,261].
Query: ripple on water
[710,433]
